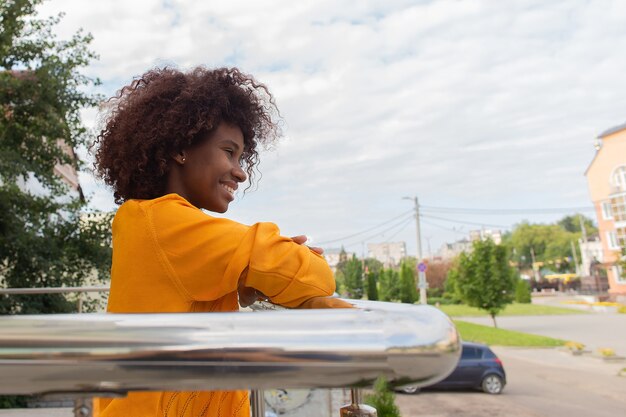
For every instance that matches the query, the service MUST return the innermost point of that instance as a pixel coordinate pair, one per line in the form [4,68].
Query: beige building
[590,251]
[389,253]
[484,234]
[452,250]
[606,177]
[333,257]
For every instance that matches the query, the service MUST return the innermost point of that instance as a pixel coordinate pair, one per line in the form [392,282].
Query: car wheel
[410,389]
[492,384]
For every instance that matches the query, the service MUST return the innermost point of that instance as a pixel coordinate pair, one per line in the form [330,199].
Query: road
[541,383]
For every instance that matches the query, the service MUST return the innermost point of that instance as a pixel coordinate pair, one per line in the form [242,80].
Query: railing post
[83,407]
[257,403]
[356,409]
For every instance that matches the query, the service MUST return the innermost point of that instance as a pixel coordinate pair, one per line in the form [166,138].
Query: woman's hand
[301,240]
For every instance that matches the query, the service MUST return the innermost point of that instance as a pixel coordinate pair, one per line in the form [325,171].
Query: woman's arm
[208,257]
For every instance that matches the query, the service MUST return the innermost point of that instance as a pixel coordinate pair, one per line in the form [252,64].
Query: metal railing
[112,354]
[55,290]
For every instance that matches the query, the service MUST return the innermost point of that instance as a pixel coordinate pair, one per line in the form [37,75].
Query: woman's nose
[239,174]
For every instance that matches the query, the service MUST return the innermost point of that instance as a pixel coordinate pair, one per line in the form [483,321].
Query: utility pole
[363,275]
[583,229]
[421,284]
[535,269]
[575,258]
[583,252]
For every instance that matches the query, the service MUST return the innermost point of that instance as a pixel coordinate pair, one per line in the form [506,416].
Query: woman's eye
[229,151]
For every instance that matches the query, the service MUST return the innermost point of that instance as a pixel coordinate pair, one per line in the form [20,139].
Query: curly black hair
[165,111]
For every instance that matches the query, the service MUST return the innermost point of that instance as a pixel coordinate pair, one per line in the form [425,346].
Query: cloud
[467,104]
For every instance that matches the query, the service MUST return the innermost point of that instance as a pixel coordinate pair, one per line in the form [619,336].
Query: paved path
[541,383]
[598,330]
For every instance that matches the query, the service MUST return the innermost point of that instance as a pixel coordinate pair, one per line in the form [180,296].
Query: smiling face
[207,173]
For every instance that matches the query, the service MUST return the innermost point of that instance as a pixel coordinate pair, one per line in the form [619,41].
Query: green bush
[434,292]
[383,400]
[522,292]
[12,401]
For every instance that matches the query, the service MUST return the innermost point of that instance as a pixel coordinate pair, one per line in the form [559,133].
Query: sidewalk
[561,359]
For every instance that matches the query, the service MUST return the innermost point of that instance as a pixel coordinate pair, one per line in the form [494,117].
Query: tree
[437,273]
[408,292]
[373,270]
[451,287]
[373,265]
[353,278]
[389,288]
[372,286]
[551,244]
[484,278]
[46,239]
[572,224]
[522,292]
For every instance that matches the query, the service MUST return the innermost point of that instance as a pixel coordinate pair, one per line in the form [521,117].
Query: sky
[481,105]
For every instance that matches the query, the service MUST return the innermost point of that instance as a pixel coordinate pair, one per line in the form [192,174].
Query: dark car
[478,367]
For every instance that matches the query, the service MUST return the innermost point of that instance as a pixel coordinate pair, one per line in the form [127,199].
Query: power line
[393,226]
[364,231]
[464,210]
[464,222]
[444,227]
[402,227]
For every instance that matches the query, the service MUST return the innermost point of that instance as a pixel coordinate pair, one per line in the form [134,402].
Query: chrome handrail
[116,353]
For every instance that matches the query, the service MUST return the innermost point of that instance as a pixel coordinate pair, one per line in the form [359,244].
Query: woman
[174,144]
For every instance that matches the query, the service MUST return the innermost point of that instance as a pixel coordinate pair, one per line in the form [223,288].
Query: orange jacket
[169,256]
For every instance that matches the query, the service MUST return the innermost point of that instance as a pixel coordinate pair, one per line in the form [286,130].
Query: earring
[184,159]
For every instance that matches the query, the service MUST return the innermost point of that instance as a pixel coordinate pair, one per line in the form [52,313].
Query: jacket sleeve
[206,256]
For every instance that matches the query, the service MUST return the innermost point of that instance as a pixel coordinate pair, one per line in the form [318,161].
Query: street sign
[422,267]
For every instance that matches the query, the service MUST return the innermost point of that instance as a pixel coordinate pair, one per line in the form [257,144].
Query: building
[333,257]
[484,234]
[606,177]
[452,250]
[389,253]
[590,252]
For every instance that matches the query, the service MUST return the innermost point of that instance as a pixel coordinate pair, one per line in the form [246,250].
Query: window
[607,213]
[488,354]
[620,236]
[611,238]
[618,208]
[618,272]
[470,353]
[618,178]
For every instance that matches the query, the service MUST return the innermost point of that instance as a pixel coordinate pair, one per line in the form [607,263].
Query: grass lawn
[488,335]
[515,309]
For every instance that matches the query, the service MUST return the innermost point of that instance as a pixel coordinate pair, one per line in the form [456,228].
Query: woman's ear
[180,157]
